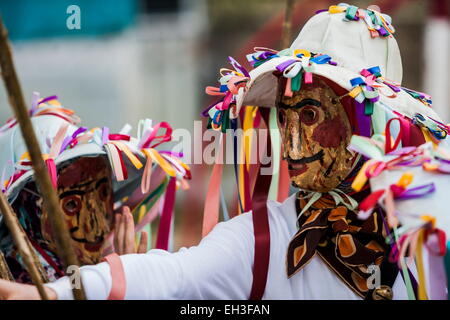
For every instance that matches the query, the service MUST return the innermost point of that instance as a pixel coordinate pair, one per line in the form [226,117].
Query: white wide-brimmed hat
[352,47]
[61,140]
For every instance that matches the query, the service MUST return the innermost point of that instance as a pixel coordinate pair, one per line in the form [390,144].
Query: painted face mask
[316,132]
[85,195]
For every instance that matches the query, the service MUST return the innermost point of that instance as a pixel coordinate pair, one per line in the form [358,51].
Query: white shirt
[220,267]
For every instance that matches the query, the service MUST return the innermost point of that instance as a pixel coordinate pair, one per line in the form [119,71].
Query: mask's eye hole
[103,192]
[309,115]
[71,205]
[281,117]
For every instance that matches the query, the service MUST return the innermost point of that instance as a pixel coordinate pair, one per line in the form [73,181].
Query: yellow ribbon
[422,291]
[405,180]
[305,53]
[134,160]
[248,125]
[355,91]
[336,9]
[361,177]
[156,157]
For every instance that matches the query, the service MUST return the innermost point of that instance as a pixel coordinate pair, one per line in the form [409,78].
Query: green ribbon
[296,82]
[225,120]
[351,12]
[151,199]
[368,110]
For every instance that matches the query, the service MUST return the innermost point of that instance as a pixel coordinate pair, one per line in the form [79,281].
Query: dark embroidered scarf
[345,243]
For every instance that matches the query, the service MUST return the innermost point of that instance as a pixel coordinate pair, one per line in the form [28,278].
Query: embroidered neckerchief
[345,243]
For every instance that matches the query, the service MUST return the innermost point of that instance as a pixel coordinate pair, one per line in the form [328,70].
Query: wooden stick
[22,245]
[287,25]
[5,273]
[51,203]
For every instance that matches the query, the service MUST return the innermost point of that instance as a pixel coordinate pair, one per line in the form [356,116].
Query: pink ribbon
[51,167]
[157,140]
[211,209]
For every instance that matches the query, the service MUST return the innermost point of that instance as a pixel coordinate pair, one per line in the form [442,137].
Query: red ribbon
[261,228]
[371,200]
[162,239]
[122,163]
[117,136]
[388,146]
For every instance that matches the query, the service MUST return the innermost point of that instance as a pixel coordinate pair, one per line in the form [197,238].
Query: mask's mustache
[318,156]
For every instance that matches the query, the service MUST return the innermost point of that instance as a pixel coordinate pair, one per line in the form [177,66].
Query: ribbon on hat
[422,97]
[439,132]
[411,243]
[377,147]
[46,106]
[364,92]
[55,150]
[150,138]
[72,140]
[397,191]
[231,83]
[124,148]
[379,25]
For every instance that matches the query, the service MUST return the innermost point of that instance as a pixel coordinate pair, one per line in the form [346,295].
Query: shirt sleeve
[220,267]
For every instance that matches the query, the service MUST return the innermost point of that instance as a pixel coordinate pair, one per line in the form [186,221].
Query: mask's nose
[94,222]
[291,136]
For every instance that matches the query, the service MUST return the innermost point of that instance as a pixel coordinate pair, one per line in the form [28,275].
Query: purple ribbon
[394,88]
[444,167]
[369,88]
[238,67]
[362,119]
[105,135]
[263,55]
[383,32]
[282,66]
[403,150]
[48,99]
[321,10]
[68,140]
[417,192]
[445,161]
[205,112]
[173,153]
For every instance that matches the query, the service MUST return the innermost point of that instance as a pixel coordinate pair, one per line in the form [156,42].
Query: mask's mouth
[91,246]
[298,166]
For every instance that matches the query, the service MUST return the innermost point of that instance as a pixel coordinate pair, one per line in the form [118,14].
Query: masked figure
[97,174]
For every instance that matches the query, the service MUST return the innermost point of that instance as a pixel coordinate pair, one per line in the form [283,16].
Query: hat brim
[121,189]
[262,89]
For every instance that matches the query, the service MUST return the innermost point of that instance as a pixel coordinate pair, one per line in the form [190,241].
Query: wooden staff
[51,203]
[22,245]
[5,273]
[287,24]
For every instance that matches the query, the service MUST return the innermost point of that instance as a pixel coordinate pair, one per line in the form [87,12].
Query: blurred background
[136,59]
